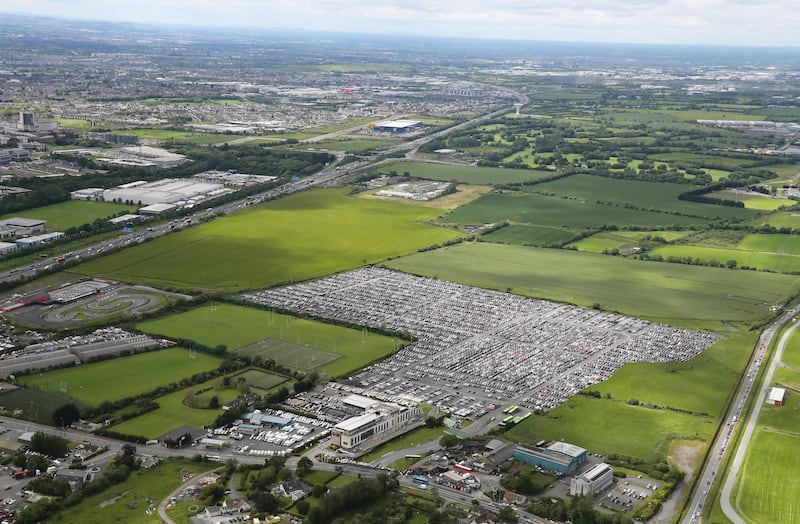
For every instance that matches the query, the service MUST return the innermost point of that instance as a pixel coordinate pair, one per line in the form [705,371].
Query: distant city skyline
[723,22]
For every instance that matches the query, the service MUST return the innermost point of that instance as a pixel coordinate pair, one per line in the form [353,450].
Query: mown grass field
[769,484]
[790,219]
[305,235]
[791,353]
[645,195]
[669,292]
[788,244]
[597,425]
[121,377]
[558,212]
[37,405]
[465,174]
[238,326]
[754,201]
[261,379]
[155,484]
[72,213]
[526,235]
[700,385]
[173,413]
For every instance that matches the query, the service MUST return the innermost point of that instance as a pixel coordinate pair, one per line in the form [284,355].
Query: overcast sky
[738,22]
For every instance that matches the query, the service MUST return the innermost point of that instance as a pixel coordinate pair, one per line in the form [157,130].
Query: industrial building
[379,418]
[396,126]
[20,227]
[178,191]
[776,396]
[598,478]
[7,247]
[40,239]
[558,457]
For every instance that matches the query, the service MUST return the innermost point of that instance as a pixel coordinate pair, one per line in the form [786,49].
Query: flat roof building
[560,457]
[593,481]
[776,396]
[157,209]
[364,430]
[396,126]
[40,239]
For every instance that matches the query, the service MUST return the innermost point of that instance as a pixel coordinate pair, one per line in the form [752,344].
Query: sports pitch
[289,354]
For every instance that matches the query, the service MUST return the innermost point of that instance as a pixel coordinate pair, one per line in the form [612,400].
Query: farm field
[304,235]
[239,326]
[643,195]
[700,385]
[132,375]
[173,413]
[667,292]
[155,483]
[785,418]
[464,174]
[781,263]
[595,424]
[753,200]
[73,213]
[791,353]
[607,240]
[772,243]
[523,234]
[788,219]
[558,212]
[769,484]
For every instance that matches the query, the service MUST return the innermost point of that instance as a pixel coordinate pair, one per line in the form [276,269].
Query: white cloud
[744,22]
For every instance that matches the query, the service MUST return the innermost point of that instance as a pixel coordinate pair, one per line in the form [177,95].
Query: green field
[36,405]
[73,213]
[355,145]
[644,195]
[781,263]
[789,219]
[465,174]
[699,386]
[122,377]
[305,235]
[526,235]
[784,244]
[238,326]
[173,413]
[754,201]
[261,379]
[181,136]
[654,290]
[597,425]
[791,353]
[769,483]
[129,508]
[559,212]
[302,357]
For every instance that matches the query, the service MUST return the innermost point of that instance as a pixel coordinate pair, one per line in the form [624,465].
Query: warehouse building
[558,457]
[7,247]
[598,478]
[20,227]
[40,239]
[776,396]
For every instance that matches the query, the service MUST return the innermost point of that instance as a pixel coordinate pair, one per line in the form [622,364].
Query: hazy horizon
[701,22]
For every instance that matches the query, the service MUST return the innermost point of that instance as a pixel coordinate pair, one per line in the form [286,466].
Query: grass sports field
[644,195]
[121,377]
[73,213]
[261,379]
[554,211]
[37,405]
[239,327]
[669,292]
[125,502]
[465,174]
[308,234]
[597,424]
[289,354]
[769,485]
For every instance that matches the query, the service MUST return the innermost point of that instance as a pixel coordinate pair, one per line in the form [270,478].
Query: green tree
[66,415]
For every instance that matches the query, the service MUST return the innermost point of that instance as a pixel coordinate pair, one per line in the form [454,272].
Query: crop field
[700,385]
[73,213]
[791,353]
[125,502]
[261,379]
[465,174]
[754,201]
[242,327]
[523,234]
[649,289]
[595,424]
[769,485]
[556,212]
[132,375]
[781,263]
[600,242]
[645,195]
[774,243]
[173,413]
[309,234]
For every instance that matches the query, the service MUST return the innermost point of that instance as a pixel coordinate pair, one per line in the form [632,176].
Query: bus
[510,410]
[413,457]
[508,419]
[419,479]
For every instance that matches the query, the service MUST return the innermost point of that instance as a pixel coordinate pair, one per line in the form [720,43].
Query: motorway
[716,451]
